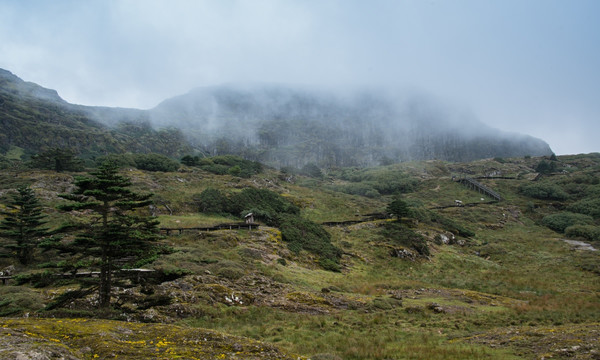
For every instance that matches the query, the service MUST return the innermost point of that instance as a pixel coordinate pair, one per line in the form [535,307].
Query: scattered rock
[436,308]
[402,253]
[580,245]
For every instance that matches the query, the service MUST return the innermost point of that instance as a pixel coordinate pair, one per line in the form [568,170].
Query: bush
[544,191]
[588,232]
[312,170]
[57,159]
[451,225]
[121,160]
[546,167]
[303,234]
[362,189]
[401,235]
[18,299]
[190,160]
[559,222]
[263,203]
[227,164]
[385,181]
[402,186]
[588,206]
[212,201]
[155,162]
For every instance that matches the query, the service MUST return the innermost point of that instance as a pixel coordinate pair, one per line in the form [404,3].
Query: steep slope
[289,126]
[35,118]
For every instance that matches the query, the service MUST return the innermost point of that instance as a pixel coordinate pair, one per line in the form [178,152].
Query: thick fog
[520,66]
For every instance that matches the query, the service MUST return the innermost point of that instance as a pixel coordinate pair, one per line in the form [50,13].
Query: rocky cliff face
[292,126]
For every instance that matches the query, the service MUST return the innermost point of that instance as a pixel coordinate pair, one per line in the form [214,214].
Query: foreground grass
[349,334]
[105,339]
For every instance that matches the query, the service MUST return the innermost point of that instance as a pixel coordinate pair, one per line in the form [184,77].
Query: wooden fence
[236,226]
[477,186]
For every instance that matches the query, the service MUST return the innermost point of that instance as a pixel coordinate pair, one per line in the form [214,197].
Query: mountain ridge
[277,120]
[279,125]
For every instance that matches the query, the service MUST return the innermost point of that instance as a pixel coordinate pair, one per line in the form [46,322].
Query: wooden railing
[236,226]
[476,185]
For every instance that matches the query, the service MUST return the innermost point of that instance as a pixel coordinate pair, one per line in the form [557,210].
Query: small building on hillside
[249,218]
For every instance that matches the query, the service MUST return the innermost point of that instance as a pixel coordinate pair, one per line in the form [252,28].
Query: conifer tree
[57,159]
[399,208]
[21,229]
[114,231]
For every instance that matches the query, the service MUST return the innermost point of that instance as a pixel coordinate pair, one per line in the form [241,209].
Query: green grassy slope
[512,290]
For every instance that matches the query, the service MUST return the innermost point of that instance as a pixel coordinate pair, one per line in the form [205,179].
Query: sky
[527,66]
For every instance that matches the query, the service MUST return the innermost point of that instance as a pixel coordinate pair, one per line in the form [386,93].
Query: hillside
[281,126]
[33,118]
[288,126]
[483,280]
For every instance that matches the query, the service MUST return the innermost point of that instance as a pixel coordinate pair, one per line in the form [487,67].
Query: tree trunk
[105,282]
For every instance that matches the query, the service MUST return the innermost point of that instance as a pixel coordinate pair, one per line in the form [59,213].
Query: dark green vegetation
[275,210]
[224,164]
[57,159]
[21,226]
[113,231]
[34,120]
[487,279]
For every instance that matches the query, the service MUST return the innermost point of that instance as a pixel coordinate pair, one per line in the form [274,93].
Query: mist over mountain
[292,126]
[276,124]
[34,119]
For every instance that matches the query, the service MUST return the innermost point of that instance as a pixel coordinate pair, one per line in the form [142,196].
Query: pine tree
[115,231]
[21,227]
[399,208]
[57,159]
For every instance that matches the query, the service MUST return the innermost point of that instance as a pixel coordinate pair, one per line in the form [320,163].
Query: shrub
[19,299]
[57,159]
[588,232]
[121,160]
[546,167]
[229,164]
[362,189]
[263,203]
[403,236]
[586,206]
[401,185]
[190,160]
[545,191]
[303,234]
[212,201]
[559,222]
[385,181]
[235,171]
[155,162]
[312,170]
[451,225]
